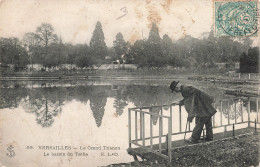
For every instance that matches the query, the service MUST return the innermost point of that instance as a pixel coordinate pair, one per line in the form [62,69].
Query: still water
[46,121]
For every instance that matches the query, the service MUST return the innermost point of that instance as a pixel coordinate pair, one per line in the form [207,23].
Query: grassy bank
[242,150]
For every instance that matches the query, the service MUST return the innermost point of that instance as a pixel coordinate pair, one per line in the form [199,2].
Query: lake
[47,121]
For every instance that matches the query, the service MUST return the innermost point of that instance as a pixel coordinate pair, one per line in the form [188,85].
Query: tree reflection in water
[46,102]
[232,109]
[11,97]
[148,95]
[45,115]
[253,105]
[120,101]
[98,100]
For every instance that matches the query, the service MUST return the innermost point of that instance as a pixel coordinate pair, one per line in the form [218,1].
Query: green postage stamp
[236,18]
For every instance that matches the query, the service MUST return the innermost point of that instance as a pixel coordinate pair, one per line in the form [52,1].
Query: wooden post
[143,134]
[221,113]
[160,134]
[257,110]
[180,117]
[141,125]
[169,139]
[233,130]
[129,127]
[136,136]
[235,111]
[162,122]
[249,76]
[213,120]
[171,112]
[241,105]
[228,113]
[248,112]
[239,75]
[151,131]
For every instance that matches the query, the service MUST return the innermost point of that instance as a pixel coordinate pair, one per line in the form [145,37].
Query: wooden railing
[140,140]
[231,112]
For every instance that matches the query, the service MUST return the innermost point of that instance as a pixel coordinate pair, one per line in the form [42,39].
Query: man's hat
[173,85]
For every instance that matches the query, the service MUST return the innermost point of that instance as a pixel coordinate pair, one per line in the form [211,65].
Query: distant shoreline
[226,82]
[198,74]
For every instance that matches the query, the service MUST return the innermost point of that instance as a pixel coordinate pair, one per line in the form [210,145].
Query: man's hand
[190,119]
[176,103]
[179,103]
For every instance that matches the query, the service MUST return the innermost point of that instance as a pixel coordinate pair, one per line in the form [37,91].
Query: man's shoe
[206,139]
[191,140]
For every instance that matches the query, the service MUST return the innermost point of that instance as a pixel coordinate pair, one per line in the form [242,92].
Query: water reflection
[11,97]
[98,99]
[46,100]
[155,110]
[232,109]
[120,101]
[44,103]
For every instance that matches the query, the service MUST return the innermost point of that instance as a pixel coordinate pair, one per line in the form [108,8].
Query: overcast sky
[75,20]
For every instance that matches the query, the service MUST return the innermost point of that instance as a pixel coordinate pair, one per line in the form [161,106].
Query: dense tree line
[12,52]
[188,51]
[45,47]
[249,63]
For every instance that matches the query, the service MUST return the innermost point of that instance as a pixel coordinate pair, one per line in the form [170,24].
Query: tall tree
[45,34]
[153,49]
[49,51]
[98,48]
[120,46]
[154,36]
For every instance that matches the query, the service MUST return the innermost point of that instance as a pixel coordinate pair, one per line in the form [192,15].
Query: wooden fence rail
[231,109]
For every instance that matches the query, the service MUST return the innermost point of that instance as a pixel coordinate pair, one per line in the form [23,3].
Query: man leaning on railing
[198,104]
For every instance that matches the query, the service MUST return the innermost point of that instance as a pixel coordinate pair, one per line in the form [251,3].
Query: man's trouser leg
[209,131]
[198,128]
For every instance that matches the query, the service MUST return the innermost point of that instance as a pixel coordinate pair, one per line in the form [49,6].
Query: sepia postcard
[90,83]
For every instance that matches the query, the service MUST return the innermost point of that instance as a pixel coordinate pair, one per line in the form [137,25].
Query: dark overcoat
[197,103]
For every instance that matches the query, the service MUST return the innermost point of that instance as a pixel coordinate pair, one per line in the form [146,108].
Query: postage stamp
[235,18]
